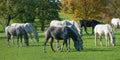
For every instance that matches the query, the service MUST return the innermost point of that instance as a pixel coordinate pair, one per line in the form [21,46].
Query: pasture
[35,50]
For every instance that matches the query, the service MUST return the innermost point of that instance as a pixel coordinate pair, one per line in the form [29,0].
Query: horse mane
[30,27]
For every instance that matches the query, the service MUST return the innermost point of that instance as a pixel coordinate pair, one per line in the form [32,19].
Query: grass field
[35,50]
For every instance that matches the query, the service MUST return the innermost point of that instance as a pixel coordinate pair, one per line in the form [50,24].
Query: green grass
[35,51]
[65,16]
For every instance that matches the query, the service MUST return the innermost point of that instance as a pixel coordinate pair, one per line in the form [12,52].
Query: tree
[28,10]
[18,10]
[85,9]
[113,8]
[46,11]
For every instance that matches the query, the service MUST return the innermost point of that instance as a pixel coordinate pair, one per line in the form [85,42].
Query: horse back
[56,32]
[11,30]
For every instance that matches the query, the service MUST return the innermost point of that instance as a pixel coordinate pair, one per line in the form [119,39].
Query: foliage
[18,10]
[85,9]
[113,8]
[46,10]
[28,10]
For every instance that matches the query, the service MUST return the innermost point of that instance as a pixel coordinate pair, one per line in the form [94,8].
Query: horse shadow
[1,31]
[96,50]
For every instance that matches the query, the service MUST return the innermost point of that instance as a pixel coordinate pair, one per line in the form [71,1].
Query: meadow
[35,50]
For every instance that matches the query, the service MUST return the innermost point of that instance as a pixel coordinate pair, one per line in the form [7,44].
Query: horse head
[78,43]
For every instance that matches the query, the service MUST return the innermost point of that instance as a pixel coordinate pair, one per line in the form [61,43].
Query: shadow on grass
[1,31]
[117,33]
[2,38]
[87,34]
[96,50]
[38,45]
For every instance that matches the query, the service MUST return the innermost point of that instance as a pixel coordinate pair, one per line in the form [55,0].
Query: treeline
[45,11]
[27,11]
[92,9]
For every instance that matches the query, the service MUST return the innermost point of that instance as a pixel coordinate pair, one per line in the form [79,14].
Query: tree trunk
[8,20]
[42,25]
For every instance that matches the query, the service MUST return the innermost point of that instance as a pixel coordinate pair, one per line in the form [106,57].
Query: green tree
[18,10]
[28,10]
[46,11]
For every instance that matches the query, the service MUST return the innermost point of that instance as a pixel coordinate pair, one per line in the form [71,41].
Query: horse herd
[64,30]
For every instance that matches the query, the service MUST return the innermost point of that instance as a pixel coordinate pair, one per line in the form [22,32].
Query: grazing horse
[63,33]
[89,23]
[115,22]
[29,29]
[72,24]
[104,29]
[67,23]
[18,31]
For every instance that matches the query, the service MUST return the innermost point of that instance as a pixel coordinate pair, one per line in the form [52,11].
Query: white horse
[18,31]
[104,29]
[72,24]
[115,22]
[29,29]
[67,23]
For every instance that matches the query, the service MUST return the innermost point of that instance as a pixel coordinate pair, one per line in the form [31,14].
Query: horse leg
[85,28]
[12,38]
[65,41]
[101,41]
[8,38]
[21,41]
[68,43]
[58,44]
[107,40]
[31,37]
[18,41]
[96,37]
[112,38]
[46,40]
[51,44]
[93,29]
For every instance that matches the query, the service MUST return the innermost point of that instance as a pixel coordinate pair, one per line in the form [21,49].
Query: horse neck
[25,35]
[34,32]
[73,34]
